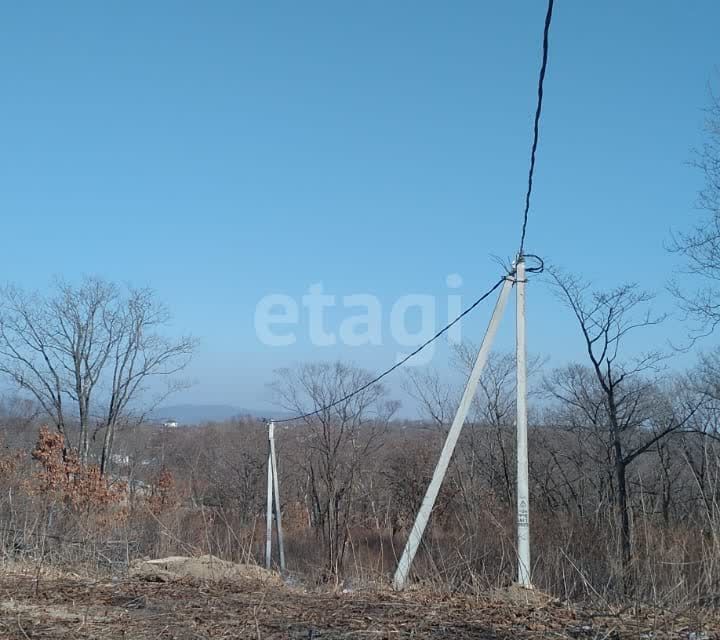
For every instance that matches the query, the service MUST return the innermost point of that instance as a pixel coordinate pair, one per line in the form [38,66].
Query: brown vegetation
[201,491]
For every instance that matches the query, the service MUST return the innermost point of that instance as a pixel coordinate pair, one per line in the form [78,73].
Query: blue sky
[220,152]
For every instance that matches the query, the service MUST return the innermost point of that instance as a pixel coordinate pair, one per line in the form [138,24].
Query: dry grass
[72,606]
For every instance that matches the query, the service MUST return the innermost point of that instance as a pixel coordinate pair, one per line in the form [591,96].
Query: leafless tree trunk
[616,398]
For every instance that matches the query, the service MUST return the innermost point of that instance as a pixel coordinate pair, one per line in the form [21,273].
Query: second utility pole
[273,495]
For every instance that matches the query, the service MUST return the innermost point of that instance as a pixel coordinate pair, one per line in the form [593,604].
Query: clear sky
[223,151]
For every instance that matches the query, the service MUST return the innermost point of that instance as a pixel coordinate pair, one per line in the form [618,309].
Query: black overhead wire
[401,362]
[536,128]
[521,256]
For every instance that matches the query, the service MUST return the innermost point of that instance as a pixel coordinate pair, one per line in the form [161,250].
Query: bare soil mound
[204,568]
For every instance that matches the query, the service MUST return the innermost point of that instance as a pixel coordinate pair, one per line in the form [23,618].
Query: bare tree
[336,442]
[437,399]
[700,246]
[615,398]
[85,352]
[55,348]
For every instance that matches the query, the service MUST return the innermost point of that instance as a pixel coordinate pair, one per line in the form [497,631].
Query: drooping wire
[536,128]
[367,385]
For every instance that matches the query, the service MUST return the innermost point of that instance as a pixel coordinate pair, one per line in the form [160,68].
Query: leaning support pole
[523,494]
[269,507]
[276,492]
[411,547]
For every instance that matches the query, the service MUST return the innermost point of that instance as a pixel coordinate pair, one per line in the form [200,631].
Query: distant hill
[188,414]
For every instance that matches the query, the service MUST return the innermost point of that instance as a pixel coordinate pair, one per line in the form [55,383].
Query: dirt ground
[68,606]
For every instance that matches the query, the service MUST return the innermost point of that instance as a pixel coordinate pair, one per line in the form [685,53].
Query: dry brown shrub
[62,477]
[164,495]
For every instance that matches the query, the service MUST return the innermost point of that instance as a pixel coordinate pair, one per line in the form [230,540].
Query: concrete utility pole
[273,492]
[276,487]
[411,547]
[269,512]
[523,494]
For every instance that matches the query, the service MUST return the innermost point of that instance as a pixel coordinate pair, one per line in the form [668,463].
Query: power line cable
[362,388]
[535,269]
[536,128]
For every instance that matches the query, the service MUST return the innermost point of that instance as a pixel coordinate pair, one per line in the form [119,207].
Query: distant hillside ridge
[192,414]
